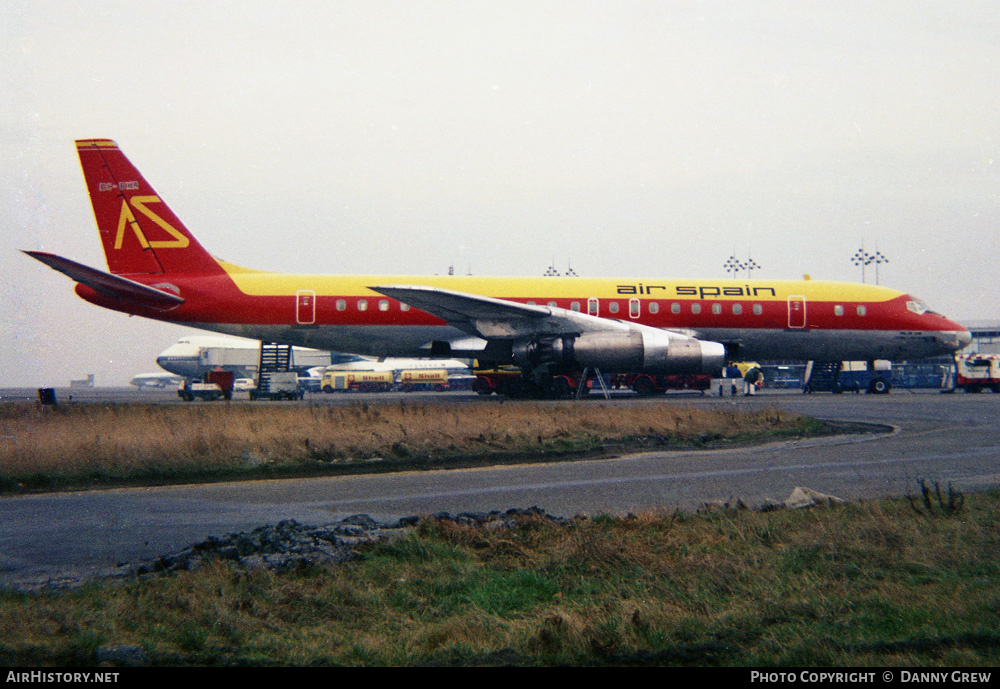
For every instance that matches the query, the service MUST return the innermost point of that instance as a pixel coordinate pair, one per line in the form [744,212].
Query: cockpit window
[917,306]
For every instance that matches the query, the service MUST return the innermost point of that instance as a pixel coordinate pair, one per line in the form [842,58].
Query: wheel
[562,387]
[879,386]
[482,386]
[643,385]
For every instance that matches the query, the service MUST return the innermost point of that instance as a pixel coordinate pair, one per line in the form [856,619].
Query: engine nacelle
[637,349]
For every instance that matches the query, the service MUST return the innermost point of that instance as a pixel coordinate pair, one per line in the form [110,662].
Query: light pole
[733,265]
[863,258]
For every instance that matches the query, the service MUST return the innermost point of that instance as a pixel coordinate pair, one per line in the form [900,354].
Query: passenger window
[654,307]
[757,309]
[675,308]
[531,303]
[383,305]
[862,310]
[362,304]
[838,310]
[341,304]
[575,306]
[696,308]
[716,308]
[554,305]
[613,307]
[737,309]
[404,307]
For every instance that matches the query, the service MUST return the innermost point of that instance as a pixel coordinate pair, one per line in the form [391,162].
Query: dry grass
[146,440]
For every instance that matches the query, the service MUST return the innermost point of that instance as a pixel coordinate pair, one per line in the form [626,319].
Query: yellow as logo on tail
[179,241]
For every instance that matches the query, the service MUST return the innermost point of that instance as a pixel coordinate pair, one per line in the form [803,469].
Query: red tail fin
[139,232]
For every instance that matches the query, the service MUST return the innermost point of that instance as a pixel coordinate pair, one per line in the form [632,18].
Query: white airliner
[397,364]
[155,380]
[194,355]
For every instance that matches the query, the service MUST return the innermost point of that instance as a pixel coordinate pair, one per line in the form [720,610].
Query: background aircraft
[155,380]
[193,356]
[397,364]
[159,270]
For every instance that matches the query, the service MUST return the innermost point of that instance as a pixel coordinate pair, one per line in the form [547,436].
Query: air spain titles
[700,291]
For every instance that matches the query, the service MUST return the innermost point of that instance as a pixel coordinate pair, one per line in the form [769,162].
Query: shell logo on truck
[370,377]
[356,381]
[423,379]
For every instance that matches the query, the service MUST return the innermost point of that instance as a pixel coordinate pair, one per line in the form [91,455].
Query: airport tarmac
[947,438]
[125,395]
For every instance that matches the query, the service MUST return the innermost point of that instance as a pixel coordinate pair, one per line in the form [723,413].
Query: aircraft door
[305,307]
[796,312]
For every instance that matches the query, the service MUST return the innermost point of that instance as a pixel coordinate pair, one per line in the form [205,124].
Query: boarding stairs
[274,358]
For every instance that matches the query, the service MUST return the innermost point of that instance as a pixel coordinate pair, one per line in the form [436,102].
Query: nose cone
[964,337]
[955,339]
[182,359]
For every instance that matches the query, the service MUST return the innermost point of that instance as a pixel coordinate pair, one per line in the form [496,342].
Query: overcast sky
[648,139]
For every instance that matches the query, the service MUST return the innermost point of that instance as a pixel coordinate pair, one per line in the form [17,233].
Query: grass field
[869,584]
[83,445]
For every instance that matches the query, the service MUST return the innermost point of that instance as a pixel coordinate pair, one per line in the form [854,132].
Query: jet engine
[635,349]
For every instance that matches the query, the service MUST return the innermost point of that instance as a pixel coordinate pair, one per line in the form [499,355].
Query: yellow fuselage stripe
[258,283]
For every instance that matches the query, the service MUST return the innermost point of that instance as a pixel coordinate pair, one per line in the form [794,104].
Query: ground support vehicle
[783,376]
[244,385]
[848,376]
[357,381]
[423,379]
[280,385]
[977,372]
[213,386]
[495,380]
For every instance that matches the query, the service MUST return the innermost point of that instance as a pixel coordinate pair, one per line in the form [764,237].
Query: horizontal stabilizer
[110,285]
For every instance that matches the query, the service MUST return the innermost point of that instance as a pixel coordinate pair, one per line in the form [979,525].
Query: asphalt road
[947,438]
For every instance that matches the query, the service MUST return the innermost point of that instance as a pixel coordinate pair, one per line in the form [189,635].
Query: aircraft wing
[539,334]
[491,318]
[111,285]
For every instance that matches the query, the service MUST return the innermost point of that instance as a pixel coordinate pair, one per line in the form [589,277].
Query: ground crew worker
[753,377]
[733,373]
